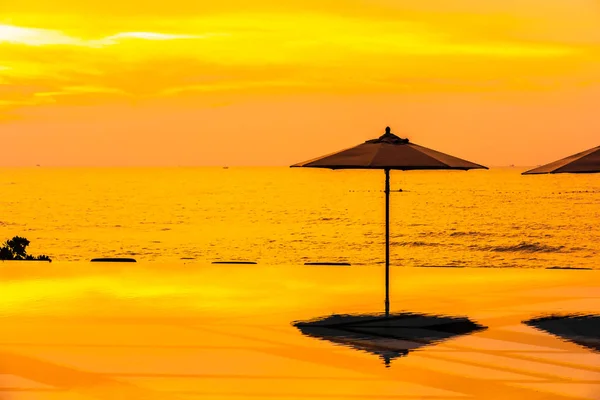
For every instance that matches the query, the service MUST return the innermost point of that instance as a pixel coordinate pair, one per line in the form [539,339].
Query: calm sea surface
[494,218]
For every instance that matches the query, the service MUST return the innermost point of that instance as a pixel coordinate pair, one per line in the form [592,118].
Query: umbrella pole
[387,242]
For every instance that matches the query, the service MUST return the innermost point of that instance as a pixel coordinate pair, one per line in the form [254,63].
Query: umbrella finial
[388,137]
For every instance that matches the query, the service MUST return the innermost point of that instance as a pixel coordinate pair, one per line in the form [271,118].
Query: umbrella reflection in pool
[387,337]
[580,329]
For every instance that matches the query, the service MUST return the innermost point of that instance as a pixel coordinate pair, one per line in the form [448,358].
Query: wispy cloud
[153,36]
[234,86]
[34,36]
[48,37]
[73,90]
[265,52]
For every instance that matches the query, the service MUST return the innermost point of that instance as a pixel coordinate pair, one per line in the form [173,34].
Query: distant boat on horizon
[225,167]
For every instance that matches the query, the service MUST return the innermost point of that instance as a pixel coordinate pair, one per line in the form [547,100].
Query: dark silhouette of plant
[16,249]
[5,253]
[18,245]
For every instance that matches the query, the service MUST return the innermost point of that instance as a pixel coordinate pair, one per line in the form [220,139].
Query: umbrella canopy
[583,330]
[391,337]
[389,152]
[585,162]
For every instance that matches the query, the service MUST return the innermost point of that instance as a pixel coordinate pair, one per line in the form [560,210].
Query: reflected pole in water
[387,242]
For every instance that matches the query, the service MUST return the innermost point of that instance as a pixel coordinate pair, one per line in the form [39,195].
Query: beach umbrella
[585,162]
[583,330]
[388,338]
[389,152]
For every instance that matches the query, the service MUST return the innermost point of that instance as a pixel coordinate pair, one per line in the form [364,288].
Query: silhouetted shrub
[16,249]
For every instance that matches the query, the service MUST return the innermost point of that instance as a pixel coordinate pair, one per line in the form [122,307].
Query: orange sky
[266,82]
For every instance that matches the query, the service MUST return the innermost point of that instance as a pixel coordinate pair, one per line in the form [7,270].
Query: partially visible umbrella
[390,337]
[583,330]
[585,162]
[389,152]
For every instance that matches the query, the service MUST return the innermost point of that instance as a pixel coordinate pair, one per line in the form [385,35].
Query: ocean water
[278,216]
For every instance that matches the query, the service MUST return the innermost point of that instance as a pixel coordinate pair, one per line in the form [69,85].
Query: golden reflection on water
[280,216]
[187,329]
[174,330]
